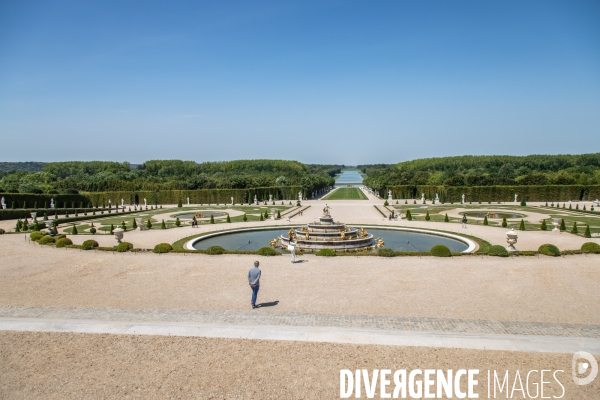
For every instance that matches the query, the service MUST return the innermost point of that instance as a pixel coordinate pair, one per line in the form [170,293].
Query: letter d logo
[580,367]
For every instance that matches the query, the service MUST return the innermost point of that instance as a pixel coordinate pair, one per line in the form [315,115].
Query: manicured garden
[346,194]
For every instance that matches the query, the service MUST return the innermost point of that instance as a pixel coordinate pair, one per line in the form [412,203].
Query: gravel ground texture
[75,365]
[544,289]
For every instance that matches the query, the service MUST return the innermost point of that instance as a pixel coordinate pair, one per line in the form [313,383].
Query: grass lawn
[346,194]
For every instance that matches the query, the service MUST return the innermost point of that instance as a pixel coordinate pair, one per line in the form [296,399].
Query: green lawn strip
[346,194]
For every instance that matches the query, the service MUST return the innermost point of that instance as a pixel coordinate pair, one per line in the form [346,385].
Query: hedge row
[497,193]
[43,200]
[20,214]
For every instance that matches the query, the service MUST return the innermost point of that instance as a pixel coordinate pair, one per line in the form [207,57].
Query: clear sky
[316,81]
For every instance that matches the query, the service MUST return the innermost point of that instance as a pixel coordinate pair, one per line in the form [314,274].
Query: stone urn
[118,232]
[556,223]
[511,239]
[33,214]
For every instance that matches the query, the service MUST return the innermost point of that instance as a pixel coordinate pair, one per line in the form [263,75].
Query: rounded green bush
[162,248]
[215,250]
[35,236]
[440,250]
[591,247]
[59,236]
[267,251]
[2,231]
[386,253]
[498,251]
[123,247]
[47,240]
[549,250]
[326,253]
[89,245]
[63,242]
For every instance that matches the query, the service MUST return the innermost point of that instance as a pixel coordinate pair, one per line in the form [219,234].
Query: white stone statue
[292,249]
[270,198]
[516,195]
[232,200]
[122,202]
[255,200]
[462,201]
[145,202]
[423,197]
[188,199]
[52,202]
[300,196]
[437,199]
[3,204]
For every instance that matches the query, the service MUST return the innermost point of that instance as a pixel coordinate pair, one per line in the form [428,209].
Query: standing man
[254,282]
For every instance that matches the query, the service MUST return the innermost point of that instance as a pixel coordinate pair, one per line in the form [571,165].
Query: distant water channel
[349,178]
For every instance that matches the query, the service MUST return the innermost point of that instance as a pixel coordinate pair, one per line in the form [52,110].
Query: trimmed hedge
[549,250]
[386,253]
[35,236]
[215,250]
[268,251]
[326,253]
[440,250]
[162,248]
[47,240]
[63,242]
[591,247]
[498,251]
[89,245]
[124,246]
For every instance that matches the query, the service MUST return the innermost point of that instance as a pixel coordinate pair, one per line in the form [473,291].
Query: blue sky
[320,82]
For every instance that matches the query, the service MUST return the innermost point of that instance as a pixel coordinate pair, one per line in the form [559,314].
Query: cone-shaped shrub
[523,202]
[92,229]
[266,215]
[244,218]
[563,227]
[148,224]
[522,225]
[504,223]
[261,217]
[18,226]
[574,228]
[570,207]
[446,219]
[228,218]
[177,222]
[74,230]
[25,204]
[179,204]
[134,224]
[278,214]
[584,209]
[123,226]
[385,203]
[427,217]
[405,201]
[415,201]
[163,225]
[212,219]
[485,220]
[408,215]
[112,228]
[577,207]
[544,227]
[587,233]
[546,204]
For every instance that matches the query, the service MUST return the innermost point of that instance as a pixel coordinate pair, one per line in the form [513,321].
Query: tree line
[563,169]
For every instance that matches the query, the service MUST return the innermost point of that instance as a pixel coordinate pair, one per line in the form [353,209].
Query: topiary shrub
[215,250]
[385,203]
[504,223]
[148,224]
[47,240]
[591,247]
[574,229]
[228,218]
[89,245]
[177,222]
[212,219]
[112,228]
[35,236]
[74,230]
[278,214]
[549,250]
[261,217]
[244,218]
[544,227]
[587,233]
[446,219]
[326,253]
[440,250]
[498,251]
[63,242]
[386,253]
[179,204]
[427,217]
[267,251]
[563,227]
[2,231]
[162,248]
[92,229]
[162,225]
[408,215]
[485,221]
[522,225]
[124,246]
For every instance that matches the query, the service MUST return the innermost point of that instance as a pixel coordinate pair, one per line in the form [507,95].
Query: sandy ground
[59,366]
[543,289]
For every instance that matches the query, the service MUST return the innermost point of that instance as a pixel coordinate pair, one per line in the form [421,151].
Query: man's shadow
[300,261]
[269,304]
